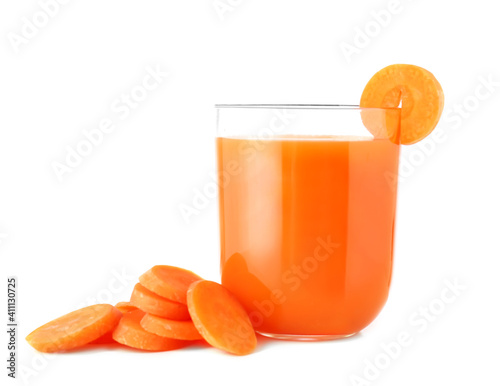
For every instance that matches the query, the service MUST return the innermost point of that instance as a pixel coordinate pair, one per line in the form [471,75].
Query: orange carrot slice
[420,95]
[107,338]
[75,329]
[130,333]
[169,282]
[152,303]
[125,307]
[234,272]
[220,318]
[175,329]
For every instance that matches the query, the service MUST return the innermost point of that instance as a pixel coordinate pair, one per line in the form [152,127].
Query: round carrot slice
[416,89]
[107,338]
[175,329]
[220,318]
[152,303]
[130,333]
[169,282]
[75,329]
[125,307]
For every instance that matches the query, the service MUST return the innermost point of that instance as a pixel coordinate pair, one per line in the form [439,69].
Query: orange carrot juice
[307,228]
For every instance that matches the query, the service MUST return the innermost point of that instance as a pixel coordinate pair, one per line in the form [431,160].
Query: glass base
[304,337]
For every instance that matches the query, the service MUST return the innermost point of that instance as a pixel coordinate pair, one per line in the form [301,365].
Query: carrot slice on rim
[152,303]
[175,329]
[130,333]
[220,318]
[169,282]
[75,329]
[416,89]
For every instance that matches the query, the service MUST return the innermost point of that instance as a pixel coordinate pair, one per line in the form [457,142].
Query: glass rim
[300,106]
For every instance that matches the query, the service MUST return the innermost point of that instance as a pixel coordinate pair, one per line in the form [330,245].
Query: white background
[118,211]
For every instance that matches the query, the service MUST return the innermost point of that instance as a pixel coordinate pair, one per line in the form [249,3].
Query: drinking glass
[307,203]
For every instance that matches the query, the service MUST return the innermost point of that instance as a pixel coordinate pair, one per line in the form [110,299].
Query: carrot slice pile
[75,329]
[175,329]
[169,282]
[152,303]
[220,318]
[420,95]
[130,333]
[168,309]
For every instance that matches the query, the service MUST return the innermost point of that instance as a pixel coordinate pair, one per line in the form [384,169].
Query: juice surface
[307,227]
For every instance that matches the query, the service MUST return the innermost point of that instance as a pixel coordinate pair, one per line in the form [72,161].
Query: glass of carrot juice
[307,201]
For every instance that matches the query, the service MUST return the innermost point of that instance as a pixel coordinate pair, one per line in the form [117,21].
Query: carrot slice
[220,318]
[75,329]
[169,282]
[130,333]
[125,307]
[234,272]
[107,338]
[420,95]
[152,303]
[175,329]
